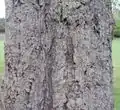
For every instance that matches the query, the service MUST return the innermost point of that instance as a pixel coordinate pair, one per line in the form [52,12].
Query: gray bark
[57,55]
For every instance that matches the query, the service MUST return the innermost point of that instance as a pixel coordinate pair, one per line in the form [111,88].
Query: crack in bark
[70,57]
[65,107]
[85,2]
[38,2]
[17,3]
[70,50]
[46,13]
[47,102]
[96,24]
[61,11]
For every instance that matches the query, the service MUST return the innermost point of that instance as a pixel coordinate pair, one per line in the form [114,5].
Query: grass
[116,65]
[116,76]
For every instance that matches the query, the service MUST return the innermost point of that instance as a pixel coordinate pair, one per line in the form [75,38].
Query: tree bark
[58,55]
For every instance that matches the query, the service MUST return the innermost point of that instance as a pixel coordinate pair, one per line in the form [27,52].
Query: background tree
[2,25]
[57,55]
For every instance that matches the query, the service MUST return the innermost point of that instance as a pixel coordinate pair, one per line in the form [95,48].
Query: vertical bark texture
[58,55]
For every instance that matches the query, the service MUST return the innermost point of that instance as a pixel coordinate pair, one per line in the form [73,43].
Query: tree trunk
[58,55]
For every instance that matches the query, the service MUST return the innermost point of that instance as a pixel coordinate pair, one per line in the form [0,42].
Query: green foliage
[116,31]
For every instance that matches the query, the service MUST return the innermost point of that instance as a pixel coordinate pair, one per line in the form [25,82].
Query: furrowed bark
[57,55]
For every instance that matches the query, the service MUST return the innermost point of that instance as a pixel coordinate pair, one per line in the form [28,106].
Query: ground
[116,65]
[116,68]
